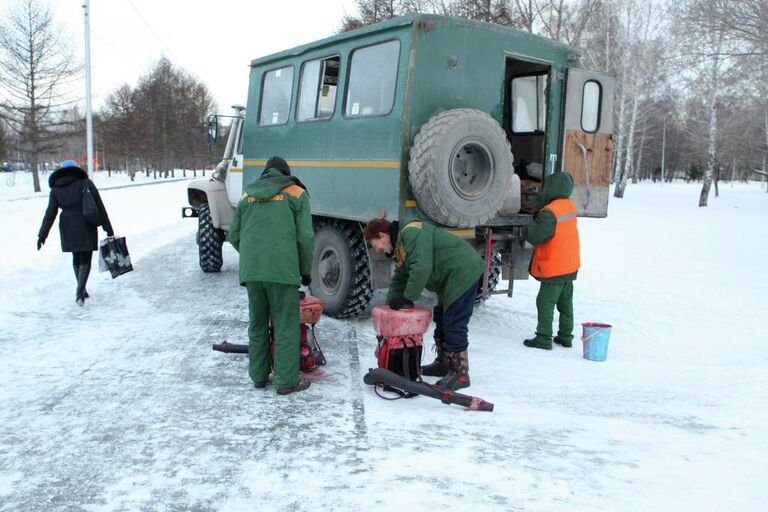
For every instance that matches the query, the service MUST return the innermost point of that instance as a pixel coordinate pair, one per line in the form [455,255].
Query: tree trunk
[717,180]
[639,165]
[766,176]
[712,149]
[35,161]
[766,147]
[622,185]
[617,160]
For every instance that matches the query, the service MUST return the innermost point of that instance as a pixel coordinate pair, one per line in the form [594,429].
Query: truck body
[426,117]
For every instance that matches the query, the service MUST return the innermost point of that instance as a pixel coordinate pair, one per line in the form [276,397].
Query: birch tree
[36,74]
[708,54]
[643,83]
[3,141]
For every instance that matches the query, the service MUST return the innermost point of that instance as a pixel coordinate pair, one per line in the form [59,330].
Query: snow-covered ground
[122,405]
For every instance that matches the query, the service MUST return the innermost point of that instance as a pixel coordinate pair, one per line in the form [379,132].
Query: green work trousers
[553,295]
[281,303]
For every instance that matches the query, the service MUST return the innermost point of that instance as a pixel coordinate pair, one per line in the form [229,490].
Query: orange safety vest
[559,255]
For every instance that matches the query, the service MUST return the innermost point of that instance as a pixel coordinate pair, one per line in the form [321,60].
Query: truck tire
[460,168]
[209,241]
[494,276]
[341,275]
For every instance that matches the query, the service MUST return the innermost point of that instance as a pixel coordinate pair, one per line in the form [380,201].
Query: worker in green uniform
[432,258]
[272,231]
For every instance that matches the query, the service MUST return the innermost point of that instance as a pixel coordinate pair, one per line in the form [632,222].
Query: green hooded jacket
[431,258]
[272,230]
[556,186]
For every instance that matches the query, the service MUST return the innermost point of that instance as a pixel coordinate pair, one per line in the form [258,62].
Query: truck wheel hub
[471,169]
[329,270]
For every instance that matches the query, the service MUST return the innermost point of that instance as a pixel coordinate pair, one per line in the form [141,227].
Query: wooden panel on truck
[588,139]
[599,147]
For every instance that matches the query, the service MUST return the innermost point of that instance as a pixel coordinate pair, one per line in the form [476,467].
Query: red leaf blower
[310,354]
[400,335]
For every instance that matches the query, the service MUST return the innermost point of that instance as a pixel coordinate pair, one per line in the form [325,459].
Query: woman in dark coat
[77,235]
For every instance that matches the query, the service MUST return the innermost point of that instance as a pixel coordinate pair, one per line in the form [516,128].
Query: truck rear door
[588,140]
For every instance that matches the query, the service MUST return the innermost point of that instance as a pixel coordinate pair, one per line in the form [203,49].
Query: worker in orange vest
[555,261]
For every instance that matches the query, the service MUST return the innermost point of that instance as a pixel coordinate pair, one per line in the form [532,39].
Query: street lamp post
[663,151]
[88,110]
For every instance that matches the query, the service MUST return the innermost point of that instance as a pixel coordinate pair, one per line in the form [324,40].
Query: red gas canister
[400,322]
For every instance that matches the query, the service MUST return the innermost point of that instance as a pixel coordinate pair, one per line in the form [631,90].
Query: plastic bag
[114,257]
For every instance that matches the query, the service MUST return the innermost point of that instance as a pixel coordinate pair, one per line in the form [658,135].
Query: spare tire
[460,168]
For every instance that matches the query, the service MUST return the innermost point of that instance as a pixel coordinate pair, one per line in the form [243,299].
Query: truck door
[588,140]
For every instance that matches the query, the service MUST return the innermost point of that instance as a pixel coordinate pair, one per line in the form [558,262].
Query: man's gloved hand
[306,279]
[40,243]
[400,302]
[110,234]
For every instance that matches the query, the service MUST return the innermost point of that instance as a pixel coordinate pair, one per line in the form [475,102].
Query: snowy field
[122,405]
[18,184]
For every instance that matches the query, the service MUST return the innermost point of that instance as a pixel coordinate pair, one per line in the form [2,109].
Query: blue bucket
[595,337]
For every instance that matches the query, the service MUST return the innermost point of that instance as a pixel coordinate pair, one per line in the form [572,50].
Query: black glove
[306,279]
[400,302]
[40,243]
[110,234]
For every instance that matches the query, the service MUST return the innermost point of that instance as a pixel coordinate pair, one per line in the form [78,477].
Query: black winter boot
[458,376]
[82,278]
[441,365]
[301,386]
[76,268]
[537,342]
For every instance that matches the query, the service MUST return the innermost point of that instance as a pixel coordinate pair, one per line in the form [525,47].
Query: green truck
[442,119]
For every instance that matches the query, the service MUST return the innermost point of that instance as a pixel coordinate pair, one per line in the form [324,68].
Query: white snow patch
[8,481]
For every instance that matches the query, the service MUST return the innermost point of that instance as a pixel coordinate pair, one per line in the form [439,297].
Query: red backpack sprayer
[310,354]
[401,340]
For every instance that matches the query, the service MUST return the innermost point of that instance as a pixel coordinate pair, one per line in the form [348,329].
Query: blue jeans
[452,324]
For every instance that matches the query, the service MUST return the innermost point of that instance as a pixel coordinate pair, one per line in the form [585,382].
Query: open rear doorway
[526,94]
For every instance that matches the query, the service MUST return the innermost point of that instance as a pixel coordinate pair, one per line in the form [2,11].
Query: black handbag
[90,209]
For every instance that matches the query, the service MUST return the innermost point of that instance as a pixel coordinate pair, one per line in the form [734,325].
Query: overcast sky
[215,40]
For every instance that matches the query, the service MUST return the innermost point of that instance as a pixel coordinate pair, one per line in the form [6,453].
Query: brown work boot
[301,386]
[458,376]
[441,365]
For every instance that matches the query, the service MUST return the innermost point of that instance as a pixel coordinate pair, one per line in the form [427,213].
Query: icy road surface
[122,405]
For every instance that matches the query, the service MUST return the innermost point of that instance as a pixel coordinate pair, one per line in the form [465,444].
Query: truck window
[276,90]
[590,106]
[529,104]
[317,90]
[372,80]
